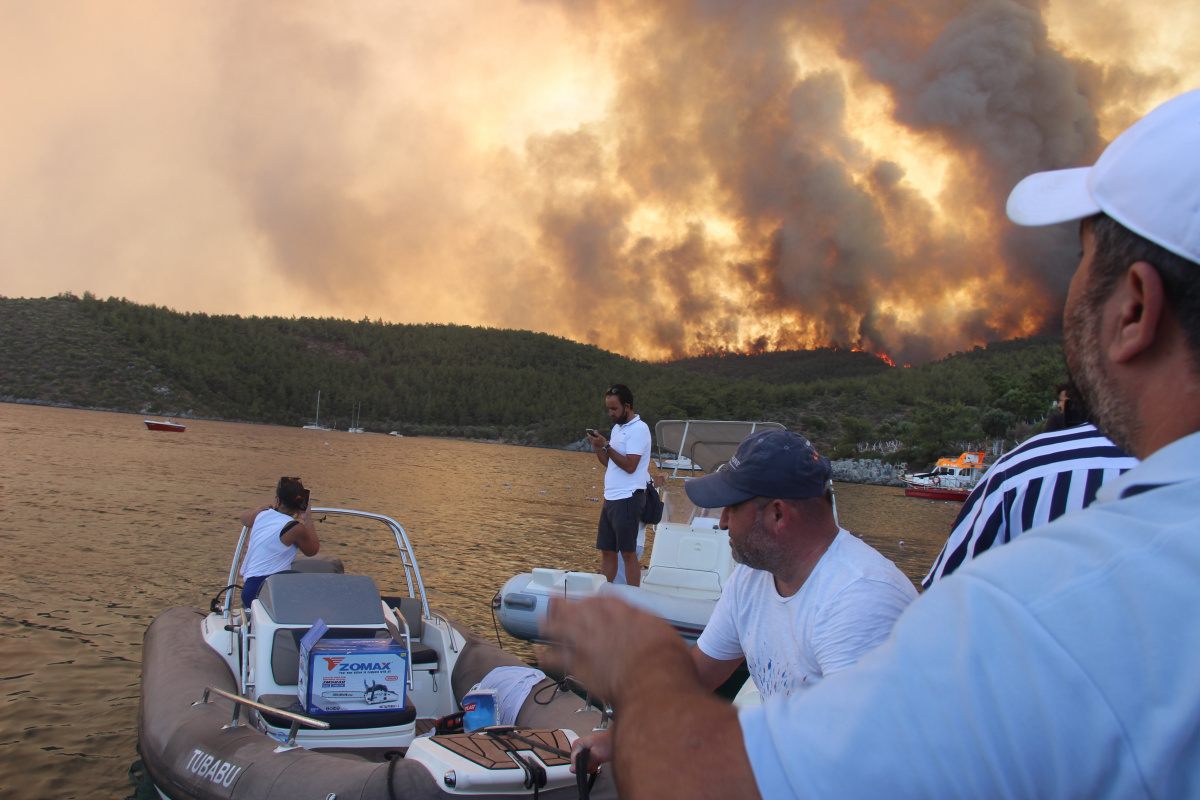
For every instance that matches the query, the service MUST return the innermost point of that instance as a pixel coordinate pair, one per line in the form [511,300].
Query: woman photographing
[277,530]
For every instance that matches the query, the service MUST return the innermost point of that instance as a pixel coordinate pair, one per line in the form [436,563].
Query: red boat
[951,478]
[165,425]
[936,493]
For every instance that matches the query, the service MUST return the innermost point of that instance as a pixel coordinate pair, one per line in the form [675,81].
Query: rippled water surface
[104,524]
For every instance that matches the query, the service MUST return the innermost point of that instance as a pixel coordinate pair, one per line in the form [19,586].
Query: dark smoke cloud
[710,108]
[659,178]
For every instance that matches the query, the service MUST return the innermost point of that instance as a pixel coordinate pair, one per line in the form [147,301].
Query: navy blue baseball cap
[774,463]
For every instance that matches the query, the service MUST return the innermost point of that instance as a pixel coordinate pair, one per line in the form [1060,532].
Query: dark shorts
[619,521]
[250,587]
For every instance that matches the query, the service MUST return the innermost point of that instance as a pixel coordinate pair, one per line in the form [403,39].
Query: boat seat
[285,650]
[354,719]
[676,578]
[410,607]
[318,563]
[292,598]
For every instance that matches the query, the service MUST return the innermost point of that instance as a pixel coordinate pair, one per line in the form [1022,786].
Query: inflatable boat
[224,711]
[690,560]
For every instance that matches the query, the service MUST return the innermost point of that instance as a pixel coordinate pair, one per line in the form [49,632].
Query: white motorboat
[950,479]
[690,560]
[674,464]
[164,425]
[202,670]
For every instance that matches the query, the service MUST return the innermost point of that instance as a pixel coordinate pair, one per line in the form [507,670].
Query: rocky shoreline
[864,470]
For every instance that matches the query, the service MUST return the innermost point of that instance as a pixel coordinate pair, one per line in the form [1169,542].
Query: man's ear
[776,513]
[1140,298]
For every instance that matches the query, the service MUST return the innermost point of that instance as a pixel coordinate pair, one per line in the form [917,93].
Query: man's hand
[672,738]
[606,643]
[600,746]
[598,441]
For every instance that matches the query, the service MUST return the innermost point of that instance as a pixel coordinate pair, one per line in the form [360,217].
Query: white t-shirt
[845,609]
[632,437]
[1063,664]
[266,555]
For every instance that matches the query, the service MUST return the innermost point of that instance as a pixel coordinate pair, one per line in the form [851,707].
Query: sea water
[104,524]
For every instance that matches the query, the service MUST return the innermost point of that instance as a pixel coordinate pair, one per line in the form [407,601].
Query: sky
[659,178]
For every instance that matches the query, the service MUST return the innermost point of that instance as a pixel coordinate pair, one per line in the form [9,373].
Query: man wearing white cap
[1060,665]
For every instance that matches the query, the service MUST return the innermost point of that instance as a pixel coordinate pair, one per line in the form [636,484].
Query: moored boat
[950,479]
[164,425]
[202,670]
[316,425]
[690,560]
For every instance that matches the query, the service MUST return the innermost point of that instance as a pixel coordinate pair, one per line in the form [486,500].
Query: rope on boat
[583,781]
[536,775]
[555,688]
[214,605]
[496,626]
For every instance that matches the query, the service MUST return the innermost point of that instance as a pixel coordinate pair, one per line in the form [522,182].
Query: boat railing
[238,701]
[412,573]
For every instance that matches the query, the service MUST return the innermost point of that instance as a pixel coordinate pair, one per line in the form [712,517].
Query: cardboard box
[343,676]
[481,709]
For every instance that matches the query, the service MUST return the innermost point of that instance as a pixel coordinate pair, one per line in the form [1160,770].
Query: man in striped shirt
[1047,476]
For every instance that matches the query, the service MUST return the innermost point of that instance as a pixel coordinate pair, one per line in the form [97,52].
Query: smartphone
[304,493]
[592,432]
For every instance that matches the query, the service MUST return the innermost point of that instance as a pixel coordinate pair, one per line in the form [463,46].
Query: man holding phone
[626,455]
[277,530]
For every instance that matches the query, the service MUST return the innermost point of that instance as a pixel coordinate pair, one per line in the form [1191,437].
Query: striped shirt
[1047,476]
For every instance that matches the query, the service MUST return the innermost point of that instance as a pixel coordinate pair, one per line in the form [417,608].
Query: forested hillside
[788,366]
[486,383]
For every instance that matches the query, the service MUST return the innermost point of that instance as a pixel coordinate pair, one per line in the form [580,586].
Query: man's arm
[303,535]
[627,462]
[713,671]
[665,715]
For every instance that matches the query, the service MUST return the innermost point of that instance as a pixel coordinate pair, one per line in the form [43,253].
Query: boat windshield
[679,509]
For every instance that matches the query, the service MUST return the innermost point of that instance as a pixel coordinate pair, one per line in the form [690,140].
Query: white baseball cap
[1147,179]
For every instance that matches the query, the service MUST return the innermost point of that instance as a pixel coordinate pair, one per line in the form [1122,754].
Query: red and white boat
[165,425]
[950,479]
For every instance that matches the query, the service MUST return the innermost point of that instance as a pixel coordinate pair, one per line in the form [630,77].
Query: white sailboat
[356,423]
[317,426]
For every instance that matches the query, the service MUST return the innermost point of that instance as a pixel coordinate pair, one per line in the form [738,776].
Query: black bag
[653,510]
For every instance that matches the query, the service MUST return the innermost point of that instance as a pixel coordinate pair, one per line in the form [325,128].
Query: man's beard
[757,549]
[1108,408]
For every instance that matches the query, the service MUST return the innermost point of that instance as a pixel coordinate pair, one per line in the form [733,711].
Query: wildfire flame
[659,179]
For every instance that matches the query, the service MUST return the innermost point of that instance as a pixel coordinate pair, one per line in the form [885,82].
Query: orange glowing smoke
[657,178]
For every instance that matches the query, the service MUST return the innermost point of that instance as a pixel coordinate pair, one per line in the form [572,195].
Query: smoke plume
[657,178]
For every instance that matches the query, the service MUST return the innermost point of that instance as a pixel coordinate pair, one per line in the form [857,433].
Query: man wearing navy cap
[1060,665]
[807,599]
